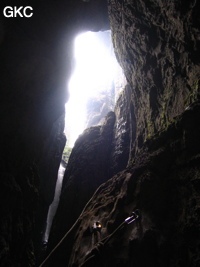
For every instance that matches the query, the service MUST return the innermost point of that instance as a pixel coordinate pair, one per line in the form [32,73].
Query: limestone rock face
[157,44]
[87,169]
[124,132]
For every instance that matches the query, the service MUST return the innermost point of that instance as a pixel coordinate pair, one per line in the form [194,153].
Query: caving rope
[98,247]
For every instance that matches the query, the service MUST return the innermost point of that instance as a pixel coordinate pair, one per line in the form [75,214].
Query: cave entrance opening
[94,85]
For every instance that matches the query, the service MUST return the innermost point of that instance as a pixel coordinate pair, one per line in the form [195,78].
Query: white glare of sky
[95,67]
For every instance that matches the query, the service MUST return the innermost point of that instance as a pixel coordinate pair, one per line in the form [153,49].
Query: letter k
[17,11]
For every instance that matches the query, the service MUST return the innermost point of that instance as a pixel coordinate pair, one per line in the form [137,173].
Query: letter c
[31,14]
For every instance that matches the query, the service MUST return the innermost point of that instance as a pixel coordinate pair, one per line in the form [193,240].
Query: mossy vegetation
[150,128]
[193,94]
[66,153]
[195,89]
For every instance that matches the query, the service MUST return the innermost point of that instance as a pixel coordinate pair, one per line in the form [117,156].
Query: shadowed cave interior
[131,188]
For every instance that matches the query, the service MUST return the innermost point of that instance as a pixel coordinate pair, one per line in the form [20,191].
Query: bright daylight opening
[95,82]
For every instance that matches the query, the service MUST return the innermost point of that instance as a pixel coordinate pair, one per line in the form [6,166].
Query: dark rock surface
[48,171]
[35,64]
[87,169]
[124,132]
[163,183]
[157,45]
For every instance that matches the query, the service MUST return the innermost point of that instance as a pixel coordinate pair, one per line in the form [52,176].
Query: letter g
[9,13]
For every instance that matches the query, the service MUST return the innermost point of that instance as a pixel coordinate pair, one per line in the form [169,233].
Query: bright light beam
[94,71]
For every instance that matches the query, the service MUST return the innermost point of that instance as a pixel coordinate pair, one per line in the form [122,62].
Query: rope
[96,251]
[98,247]
[68,232]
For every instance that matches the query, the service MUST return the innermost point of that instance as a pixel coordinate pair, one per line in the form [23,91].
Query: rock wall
[124,132]
[163,184]
[35,64]
[156,43]
[87,169]
[48,171]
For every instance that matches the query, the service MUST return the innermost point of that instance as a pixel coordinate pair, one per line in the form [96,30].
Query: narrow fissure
[53,207]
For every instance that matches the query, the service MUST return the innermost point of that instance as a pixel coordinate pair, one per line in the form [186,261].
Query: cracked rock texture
[157,45]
